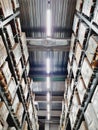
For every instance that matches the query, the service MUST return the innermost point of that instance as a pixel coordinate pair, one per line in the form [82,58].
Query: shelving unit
[12,119]
[92,29]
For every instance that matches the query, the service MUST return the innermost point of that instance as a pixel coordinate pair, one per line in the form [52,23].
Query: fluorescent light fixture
[48,96]
[48,108]
[48,22]
[48,116]
[48,65]
[48,82]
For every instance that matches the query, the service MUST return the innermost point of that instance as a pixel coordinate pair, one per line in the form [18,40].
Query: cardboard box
[10,36]
[92,47]
[3,111]
[26,92]
[12,87]
[19,112]
[88,7]
[6,72]
[6,8]
[96,13]
[75,24]
[25,126]
[83,126]
[72,42]
[23,40]
[18,25]
[81,89]
[78,51]
[16,53]
[11,128]
[91,118]
[74,67]
[23,84]
[79,5]
[19,70]
[95,101]
[15,103]
[25,55]
[86,72]
[15,4]
[3,53]
[83,31]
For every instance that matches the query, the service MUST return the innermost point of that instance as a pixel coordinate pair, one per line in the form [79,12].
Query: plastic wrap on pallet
[15,4]
[15,103]
[88,7]
[79,5]
[78,51]
[6,72]
[86,72]
[81,88]
[12,87]
[10,36]
[75,24]
[95,101]
[18,25]
[83,126]
[83,31]
[19,112]
[3,111]
[92,47]
[3,53]
[6,8]
[91,118]
[16,53]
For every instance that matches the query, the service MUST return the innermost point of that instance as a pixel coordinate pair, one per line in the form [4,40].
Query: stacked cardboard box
[88,7]
[92,48]
[83,126]
[91,118]
[74,108]
[15,4]
[95,101]
[15,103]
[75,24]
[86,72]
[18,26]
[6,8]
[6,72]
[10,36]
[96,13]
[81,89]
[74,67]
[19,112]
[79,5]
[16,53]
[3,53]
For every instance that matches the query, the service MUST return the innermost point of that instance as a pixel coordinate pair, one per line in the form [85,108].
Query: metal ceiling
[33,20]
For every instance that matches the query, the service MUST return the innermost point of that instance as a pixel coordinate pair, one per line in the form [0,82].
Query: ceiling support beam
[55,99]
[52,113]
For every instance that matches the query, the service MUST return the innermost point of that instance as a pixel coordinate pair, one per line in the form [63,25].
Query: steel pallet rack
[92,86]
[26,116]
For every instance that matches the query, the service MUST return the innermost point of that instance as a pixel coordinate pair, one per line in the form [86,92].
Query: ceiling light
[48,65]
[48,108]
[48,116]
[48,22]
[48,96]
[48,82]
